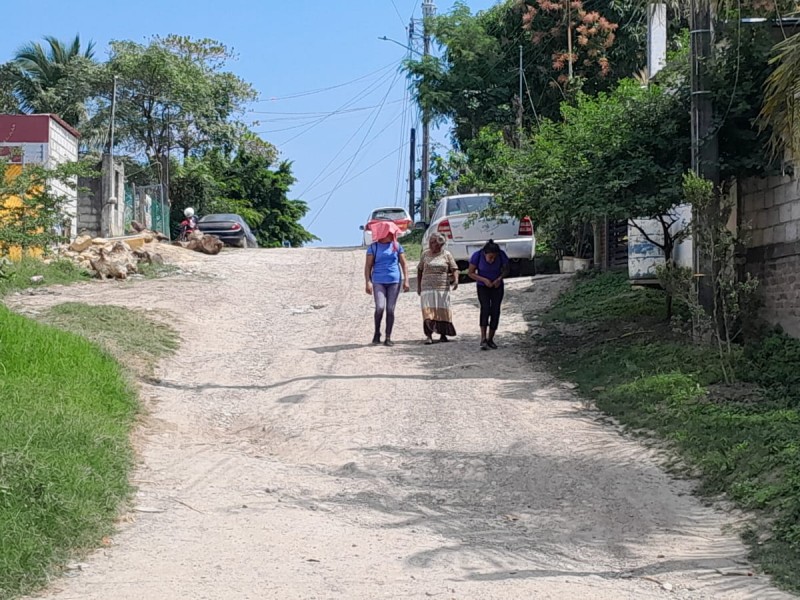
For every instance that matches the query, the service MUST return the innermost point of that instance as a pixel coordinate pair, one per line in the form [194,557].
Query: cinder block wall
[771,209]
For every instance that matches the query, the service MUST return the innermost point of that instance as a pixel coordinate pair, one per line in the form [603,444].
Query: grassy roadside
[412,244]
[66,415]
[740,440]
[18,275]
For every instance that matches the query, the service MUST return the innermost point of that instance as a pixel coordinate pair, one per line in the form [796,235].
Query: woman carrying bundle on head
[386,272]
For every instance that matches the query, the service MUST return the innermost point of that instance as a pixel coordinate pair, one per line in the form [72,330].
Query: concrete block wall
[771,211]
[90,206]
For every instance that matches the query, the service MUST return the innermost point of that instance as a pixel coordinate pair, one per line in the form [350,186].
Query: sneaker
[388,343]
[444,339]
[491,344]
[376,339]
[484,345]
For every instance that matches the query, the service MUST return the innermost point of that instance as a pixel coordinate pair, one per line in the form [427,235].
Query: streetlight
[402,45]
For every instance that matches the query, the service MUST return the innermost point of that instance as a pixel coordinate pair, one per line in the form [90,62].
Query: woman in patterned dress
[436,273]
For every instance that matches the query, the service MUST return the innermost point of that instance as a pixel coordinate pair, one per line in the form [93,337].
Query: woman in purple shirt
[488,267]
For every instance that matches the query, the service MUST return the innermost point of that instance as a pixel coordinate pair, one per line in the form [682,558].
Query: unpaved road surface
[284,458]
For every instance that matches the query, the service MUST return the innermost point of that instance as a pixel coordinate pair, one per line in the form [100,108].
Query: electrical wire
[319,178]
[528,90]
[403,146]
[320,113]
[363,94]
[401,162]
[397,10]
[301,125]
[349,166]
[331,87]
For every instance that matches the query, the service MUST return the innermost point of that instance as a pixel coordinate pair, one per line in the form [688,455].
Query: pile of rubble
[108,259]
[116,259]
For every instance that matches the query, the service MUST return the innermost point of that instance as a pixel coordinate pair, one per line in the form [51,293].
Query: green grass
[606,297]
[412,244]
[132,336]
[65,416]
[741,440]
[18,275]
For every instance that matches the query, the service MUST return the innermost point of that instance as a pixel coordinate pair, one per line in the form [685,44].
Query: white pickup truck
[460,219]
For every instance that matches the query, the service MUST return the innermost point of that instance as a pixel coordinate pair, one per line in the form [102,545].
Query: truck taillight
[444,228]
[525,226]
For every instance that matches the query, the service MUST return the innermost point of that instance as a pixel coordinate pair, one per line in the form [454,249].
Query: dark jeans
[385,301]
[490,299]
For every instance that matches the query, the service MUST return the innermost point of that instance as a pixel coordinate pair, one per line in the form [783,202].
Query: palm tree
[46,77]
[781,109]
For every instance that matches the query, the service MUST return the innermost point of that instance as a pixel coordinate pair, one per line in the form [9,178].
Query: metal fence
[148,205]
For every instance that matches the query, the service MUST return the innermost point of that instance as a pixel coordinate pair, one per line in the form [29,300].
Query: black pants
[490,299]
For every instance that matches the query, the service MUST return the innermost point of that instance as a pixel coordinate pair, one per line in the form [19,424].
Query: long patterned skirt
[437,315]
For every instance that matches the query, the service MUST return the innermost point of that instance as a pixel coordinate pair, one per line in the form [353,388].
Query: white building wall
[63,147]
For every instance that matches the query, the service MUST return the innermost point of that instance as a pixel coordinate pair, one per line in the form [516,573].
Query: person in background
[386,273]
[488,267]
[436,272]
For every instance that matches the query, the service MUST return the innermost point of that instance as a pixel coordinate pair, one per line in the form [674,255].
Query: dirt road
[284,458]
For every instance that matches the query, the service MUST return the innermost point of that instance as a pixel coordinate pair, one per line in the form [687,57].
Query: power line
[402,147]
[332,87]
[306,121]
[358,150]
[320,179]
[320,113]
[363,94]
[397,10]
[528,90]
[401,162]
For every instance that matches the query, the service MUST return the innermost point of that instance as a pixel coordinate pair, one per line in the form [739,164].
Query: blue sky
[286,49]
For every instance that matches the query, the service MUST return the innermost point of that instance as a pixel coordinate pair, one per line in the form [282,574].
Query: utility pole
[109,174]
[520,105]
[428,11]
[412,165]
[113,117]
[569,36]
[705,148]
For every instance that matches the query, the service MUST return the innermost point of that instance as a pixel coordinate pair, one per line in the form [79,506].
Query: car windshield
[465,206]
[388,214]
[218,218]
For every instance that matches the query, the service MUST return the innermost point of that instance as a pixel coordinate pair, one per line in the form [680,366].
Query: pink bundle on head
[384,229]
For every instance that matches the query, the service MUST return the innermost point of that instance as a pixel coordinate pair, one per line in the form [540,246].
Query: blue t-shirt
[490,271]
[387,263]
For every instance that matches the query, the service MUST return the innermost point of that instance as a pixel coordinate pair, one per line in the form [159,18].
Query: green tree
[8,78]
[54,78]
[33,212]
[249,184]
[781,110]
[475,81]
[172,93]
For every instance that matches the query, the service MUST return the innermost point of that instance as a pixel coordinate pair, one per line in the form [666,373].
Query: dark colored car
[231,229]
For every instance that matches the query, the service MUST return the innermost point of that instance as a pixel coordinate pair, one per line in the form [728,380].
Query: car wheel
[515,268]
[241,242]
